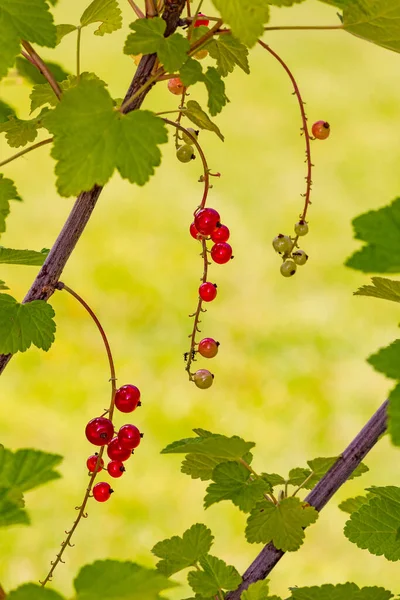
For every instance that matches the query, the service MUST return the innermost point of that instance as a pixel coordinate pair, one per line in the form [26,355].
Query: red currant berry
[115,468]
[203,379]
[129,436]
[221,253]
[282,243]
[175,86]
[206,220]
[207,291]
[301,227]
[99,431]
[288,268]
[185,153]
[102,491]
[187,139]
[201,20]
[193,232]
[300,257]
[92,461]
[220,234]
[116,452]
[127,398]
[208,348]
[321,130]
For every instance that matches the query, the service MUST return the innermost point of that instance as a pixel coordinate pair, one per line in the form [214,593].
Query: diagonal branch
[322,493]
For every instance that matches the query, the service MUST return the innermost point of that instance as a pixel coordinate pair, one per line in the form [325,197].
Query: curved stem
[293,28]
[22,152]
[43,69]
[78,52]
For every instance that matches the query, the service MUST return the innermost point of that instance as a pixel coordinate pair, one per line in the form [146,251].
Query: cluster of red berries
[100,432]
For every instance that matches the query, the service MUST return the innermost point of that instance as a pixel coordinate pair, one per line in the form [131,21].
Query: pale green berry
[301,228]
[187,139]
[282,243]
[300,257]
[185,153]
[288,268]
[203,379]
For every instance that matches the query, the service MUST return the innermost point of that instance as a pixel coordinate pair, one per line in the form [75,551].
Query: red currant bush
[206,220]
[301,228]
[221,253]
[208,348]
[116,452]
[185,153]
[201,20]
[115,468]
[129,436]
[127,398]
[321,130]
[203,379]
[207,291]
[300,257]
[102,491]
[175,86]
[220,234]
[282,243]
[288,268]
[92,461]
[99,431]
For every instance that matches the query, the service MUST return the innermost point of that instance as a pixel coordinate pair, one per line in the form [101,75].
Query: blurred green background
[290,374]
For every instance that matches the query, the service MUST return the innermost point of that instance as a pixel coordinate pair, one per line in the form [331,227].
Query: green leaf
[216,575]
[6,111]
[32,591]
[282,524]
[394,415]
[273,479]
[197,115]
[43,94]
[285,3]
[375,526]
[246,20]
[387,289]
[8,192]
[32,74]
[298,475]
[217,98]
[91,139]
[191,72]
[148,37]
[199,466]
[380,229]
[11,512]
[220,446]
[377,22]
[28,469]
[27,19]
[232,481]
[11,256]
[352,504]
[256,591]
[19,132]
[106,12]
[63,30]
[115,580]
[24,324]
[342,591]
[228,52]
[319,467]
[3,285]
[181,552]
[387,360]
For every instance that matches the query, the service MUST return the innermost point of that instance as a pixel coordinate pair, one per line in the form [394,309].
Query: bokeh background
[290,374]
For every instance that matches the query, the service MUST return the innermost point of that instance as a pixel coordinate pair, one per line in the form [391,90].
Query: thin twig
[78,52]
[137,10]
[25,151]
[290,27]
[43,69]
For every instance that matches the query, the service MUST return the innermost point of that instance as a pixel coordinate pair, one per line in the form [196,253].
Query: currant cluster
[120,445]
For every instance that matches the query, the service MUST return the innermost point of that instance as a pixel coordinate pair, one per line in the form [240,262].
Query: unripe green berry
[185,153]
[300,257]
[282,243]
[301,228]
[203,379]
[187,139]
[288,268]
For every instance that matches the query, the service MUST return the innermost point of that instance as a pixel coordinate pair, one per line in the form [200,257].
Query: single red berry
[175,86]
[115,468]
[206,220]
[116,452]
[201,20]
[221,253]
[321,130]
[193,232]
[92,461]
[99,431]
[129,436]
[220,234]
[207,291]
[127,398]
[208,348]
[102,491]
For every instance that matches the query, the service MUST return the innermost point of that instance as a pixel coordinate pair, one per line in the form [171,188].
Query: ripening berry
[282,243]
[208,348]
[92,461]
[194,233]
[116,452]
[187,139]
[127,398]
[129,436]
[115,468]
[221,253]
[321,130]
[185,153]
[99,431]
[207,291]
[203,379]
[201,20]
[288,268]
[102,491]
[175,86]
[300,257]
[200,54]
[301,228]
[206,220]
[220,234]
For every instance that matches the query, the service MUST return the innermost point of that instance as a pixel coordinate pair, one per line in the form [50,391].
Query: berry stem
[303,484]
[25,151]
[40,65]
[137,10]
[188,10]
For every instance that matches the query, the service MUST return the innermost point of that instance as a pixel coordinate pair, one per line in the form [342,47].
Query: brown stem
[3,595]
[337,475]
[137,10]
[44,70]
[151,9]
